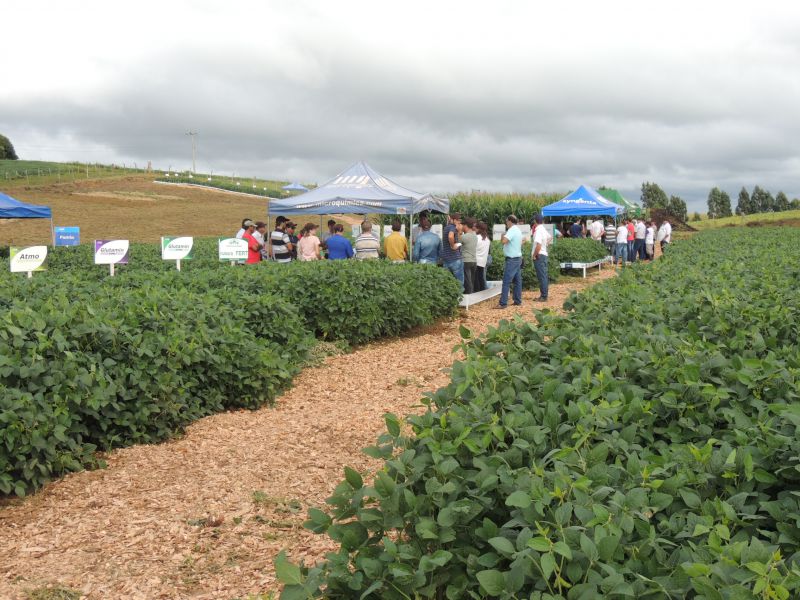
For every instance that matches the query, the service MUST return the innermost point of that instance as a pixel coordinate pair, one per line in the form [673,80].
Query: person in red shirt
[253,247]
[631,235]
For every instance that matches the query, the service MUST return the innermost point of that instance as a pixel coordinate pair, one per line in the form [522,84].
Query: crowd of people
[463,249]
[628,241]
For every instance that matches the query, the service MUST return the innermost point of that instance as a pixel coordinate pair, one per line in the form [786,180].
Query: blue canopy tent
[14,209]
[361,190]
[295,187]
[583,201]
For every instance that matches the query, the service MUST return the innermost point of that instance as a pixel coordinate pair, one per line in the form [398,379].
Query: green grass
[38,172]
[744,220]
[244,185]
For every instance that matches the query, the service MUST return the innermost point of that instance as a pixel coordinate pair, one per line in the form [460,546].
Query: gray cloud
[442,115]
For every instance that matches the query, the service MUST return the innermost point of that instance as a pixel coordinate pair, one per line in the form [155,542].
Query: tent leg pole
[53,232]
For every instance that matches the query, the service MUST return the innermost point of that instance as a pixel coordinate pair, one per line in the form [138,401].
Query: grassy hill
[14,173]
[788,217]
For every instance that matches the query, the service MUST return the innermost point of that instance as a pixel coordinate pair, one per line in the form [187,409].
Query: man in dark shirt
[451,248]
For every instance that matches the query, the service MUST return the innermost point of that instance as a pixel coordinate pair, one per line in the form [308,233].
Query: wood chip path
[203,516]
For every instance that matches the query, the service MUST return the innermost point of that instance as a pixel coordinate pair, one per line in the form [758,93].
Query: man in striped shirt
[367,245]
[281,242]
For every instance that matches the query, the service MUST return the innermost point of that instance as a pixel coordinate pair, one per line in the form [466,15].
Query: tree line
[760,201]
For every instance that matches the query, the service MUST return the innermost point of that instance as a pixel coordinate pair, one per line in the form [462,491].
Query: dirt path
[203,516]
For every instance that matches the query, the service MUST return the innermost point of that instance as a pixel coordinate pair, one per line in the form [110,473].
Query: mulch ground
[203,516]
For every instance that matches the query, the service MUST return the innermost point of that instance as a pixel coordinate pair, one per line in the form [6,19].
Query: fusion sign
[232,250]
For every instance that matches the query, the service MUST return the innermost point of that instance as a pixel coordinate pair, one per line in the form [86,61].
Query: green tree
[7,149]
[713,203]
[677,208]
[760,201]
[653,196]
[696,216]
[743,206]
[795,204]
[719,204]
[724,206]
[781,202]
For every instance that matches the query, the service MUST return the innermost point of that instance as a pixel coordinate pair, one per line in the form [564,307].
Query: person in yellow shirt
[395,246]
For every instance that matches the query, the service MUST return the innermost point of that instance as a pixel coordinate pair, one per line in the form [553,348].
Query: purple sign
[111,252]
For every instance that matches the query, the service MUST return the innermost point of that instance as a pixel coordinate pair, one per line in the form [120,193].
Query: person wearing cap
[290,228]
[512,271]
[260,235]
[253,247]
[280,242]
[240,233]
[541,238]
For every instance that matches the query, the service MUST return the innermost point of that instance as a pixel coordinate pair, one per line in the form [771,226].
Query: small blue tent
[295,187]
[14,209]
[359,189]
[583,201]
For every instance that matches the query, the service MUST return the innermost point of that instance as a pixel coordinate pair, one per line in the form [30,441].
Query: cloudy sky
[440,96]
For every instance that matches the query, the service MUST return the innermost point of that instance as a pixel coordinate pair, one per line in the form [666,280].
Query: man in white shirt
[541,238]
[621,249]
[664,234]
[241,232]
[649,240]
[596,230]
[639,233]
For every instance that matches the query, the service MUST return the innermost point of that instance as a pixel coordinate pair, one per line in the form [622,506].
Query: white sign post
[177,249]
[497,232]
[525,230]
[27,260]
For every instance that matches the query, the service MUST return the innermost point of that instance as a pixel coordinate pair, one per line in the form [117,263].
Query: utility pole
[193,135]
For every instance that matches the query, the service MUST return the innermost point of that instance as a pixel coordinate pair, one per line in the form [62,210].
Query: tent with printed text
[359,189]
[583,201]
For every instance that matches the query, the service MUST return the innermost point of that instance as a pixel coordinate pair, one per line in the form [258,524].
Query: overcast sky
[439,96]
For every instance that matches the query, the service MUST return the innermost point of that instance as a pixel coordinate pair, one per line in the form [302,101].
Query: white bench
[493,288]
[583,266]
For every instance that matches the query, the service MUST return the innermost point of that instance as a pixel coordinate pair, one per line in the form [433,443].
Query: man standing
[451,248]
[512,272]
[621,249]
[281,242]
[541,238]
[260,235]
[469,254]
[253,247]
[339,247]
[649,240]
[611,238]
[665,235]
[427,245]
[631,233]
[596,230]
[367,245]
[395,246]
[639,233]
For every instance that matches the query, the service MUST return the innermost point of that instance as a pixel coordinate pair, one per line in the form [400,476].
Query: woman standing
[482,255]
[309,244]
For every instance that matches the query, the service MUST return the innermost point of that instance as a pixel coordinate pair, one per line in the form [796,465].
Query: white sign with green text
[27,260]
[177,249]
